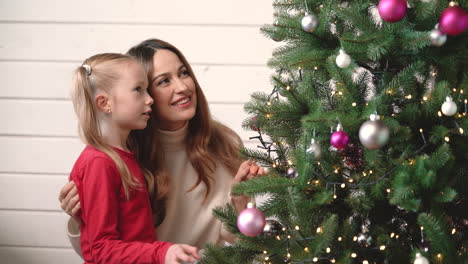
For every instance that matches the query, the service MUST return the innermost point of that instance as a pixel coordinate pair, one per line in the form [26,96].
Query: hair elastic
[88,69]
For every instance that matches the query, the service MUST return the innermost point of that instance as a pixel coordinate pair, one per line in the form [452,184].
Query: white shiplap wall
[41,42]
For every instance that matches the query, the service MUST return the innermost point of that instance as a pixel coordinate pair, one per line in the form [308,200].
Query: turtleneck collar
[173,140]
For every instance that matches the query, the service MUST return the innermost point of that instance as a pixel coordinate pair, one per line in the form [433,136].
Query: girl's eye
[138,89]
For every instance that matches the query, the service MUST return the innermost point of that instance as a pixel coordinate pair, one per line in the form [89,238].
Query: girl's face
[129,98]
[173,90]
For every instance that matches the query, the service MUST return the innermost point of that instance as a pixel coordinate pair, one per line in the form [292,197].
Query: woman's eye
[163,81]
[185,72]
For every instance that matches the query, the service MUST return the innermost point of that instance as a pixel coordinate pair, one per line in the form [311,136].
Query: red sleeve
[100,197]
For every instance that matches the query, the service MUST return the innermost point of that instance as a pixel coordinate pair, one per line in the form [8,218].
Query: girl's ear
[102,103]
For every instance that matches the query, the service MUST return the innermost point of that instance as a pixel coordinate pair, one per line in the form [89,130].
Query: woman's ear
[102,103]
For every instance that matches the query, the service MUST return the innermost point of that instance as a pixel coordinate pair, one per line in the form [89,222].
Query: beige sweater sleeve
[73,232]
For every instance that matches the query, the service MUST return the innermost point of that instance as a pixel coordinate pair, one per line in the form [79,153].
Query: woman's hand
[69,199]
[247,171]
[180,253]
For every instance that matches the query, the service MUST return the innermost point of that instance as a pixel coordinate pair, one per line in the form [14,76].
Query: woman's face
[173,90]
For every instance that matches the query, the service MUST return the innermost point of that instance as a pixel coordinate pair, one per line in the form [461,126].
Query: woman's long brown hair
[207,138]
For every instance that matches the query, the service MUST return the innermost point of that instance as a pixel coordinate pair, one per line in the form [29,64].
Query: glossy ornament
[314,150]
[438,38]
[339,139]
[272,228]
[309,23]
[453,20]
[374,133]
[251,221]
[420,259]
[392,10]
[449,108]
[343,60]
[292,173]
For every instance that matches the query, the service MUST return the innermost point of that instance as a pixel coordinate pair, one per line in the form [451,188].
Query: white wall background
[41,42]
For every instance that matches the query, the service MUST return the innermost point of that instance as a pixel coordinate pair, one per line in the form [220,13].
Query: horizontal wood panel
[57,118]
[200,44]
[33,229]
[31,192]
[51,80]
[148,11]
[26,255]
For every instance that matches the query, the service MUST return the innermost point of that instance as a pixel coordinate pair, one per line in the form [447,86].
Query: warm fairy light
[389,91]
[454,90]
[289,236]
[332,260]
[288,88]
[409,96]
[297,227]
[315,68]
[306,249]
[370,172]
[340,93]
[439,255]
[333,92]
[340,238]
[328,250]
[365,262]
[284,229]
[289,255]
[269,103]
[267,258]
[425,98]
[268,116]
[355,238]
[299,68]
[439,113]
[420,130]
[350,180]
[319,230]
[388,190]
[461,91]
[353,104]
[392,235]
[274,165]
[447,139]
[317,181]
[334,196]
[382,247]
[315,259]
[364,173]
[461,130]
[433,74]
[397,236]
[466,101]
[353,255]
[335,171]
[343,185]
[289,161]
[278,238]
[318,163]
[454,231]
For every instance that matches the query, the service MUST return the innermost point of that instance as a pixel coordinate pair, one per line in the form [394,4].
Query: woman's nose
[180,85]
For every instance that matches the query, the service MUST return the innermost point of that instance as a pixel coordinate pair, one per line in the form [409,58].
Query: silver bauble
[420,259]
[272,228]
[449,108]
[292,173]
[437,37]
[314,150]
[374,133]
[309,22]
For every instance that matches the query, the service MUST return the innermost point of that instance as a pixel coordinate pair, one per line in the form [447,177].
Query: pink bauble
[392,10]
[453,21]
[339,139]
[251,222]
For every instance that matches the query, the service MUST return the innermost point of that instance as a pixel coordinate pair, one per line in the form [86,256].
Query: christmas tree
[365,134]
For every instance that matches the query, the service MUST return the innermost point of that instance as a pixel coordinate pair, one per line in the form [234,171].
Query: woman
[195,158]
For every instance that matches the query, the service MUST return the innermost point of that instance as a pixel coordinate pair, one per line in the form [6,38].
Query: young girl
[195,158]
[110,99]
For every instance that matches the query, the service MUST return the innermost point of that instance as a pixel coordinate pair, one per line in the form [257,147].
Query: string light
[319,230]
[364,174]
[353,255]
[392,235]
[461,91]
[370,172]
[390,92]
[332,260]
[265,252]
[365,262]
[382,247]
[267,258]
[447,139]
[297,228]
[315,259]
[269,103]
[288,88]
[388,190]
[343,185]
[454,231]
[461,130]
[425,98]
[340,93]
[409,96]
[315,68]
[439,113]
[353,104]
[306,249]
[355,238]
[340,239]
[454,90]
[328,250]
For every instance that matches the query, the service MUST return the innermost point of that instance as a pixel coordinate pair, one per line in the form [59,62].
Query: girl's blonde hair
[208,142]
[99,73]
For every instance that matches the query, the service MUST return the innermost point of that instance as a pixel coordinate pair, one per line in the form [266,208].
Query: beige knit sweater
[187,220]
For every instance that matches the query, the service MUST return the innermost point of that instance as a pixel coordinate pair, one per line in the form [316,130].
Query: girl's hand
[69,199]
[181,253]
[247,171]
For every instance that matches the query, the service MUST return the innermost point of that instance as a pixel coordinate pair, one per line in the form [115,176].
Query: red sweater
[114,229]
